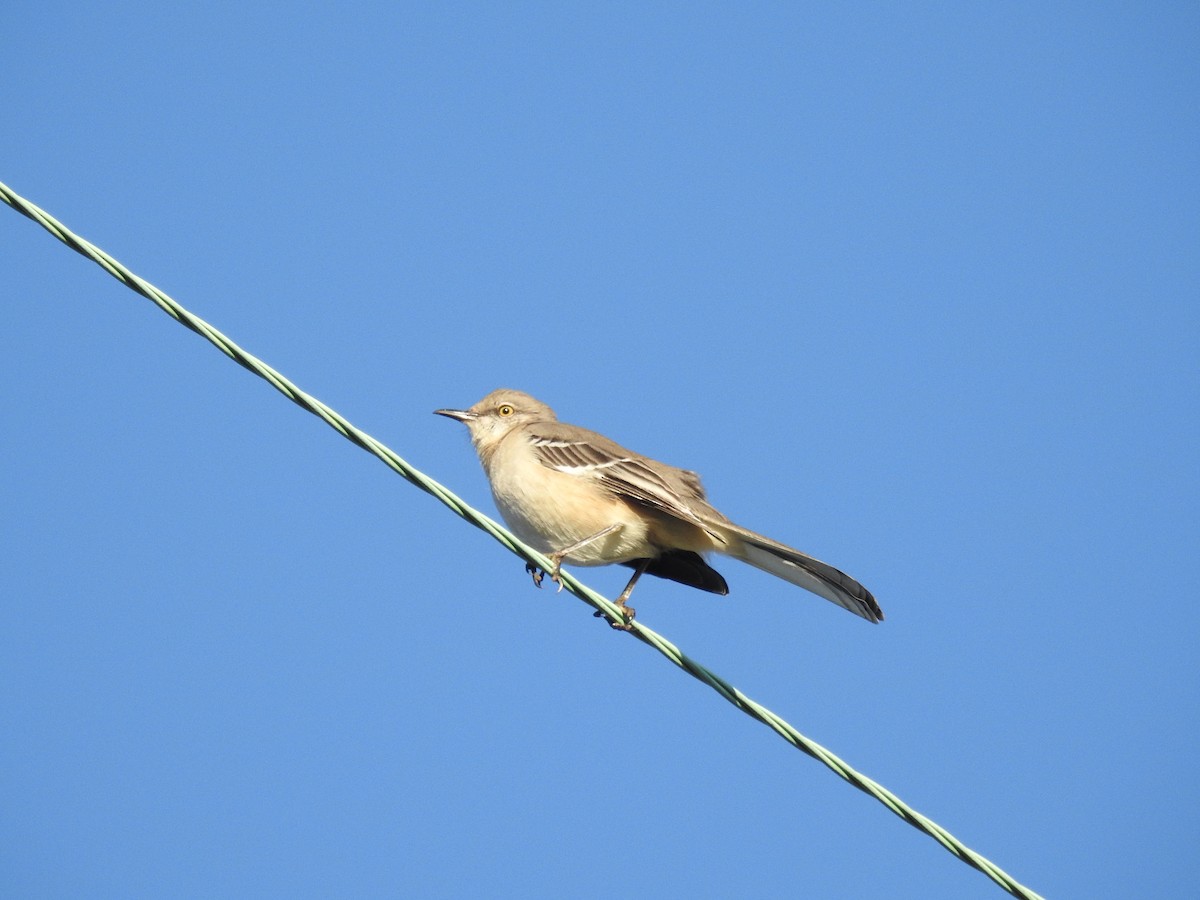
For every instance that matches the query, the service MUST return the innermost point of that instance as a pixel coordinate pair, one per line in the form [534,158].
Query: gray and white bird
[581,498]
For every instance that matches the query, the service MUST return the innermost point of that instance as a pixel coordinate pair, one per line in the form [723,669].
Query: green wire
[450,499]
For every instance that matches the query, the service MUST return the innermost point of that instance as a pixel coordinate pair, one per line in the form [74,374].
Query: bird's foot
[556,572]
[536,573]
[625,623]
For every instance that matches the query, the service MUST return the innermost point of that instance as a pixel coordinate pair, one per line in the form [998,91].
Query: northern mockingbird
[580,498]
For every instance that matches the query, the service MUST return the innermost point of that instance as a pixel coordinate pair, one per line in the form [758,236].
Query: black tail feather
[687,568]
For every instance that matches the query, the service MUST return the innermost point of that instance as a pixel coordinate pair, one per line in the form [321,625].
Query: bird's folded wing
[675,492]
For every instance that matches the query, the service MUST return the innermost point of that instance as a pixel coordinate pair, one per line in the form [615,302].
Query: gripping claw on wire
[536,573]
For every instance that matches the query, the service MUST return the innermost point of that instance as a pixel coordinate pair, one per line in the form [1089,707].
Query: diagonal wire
[585,593]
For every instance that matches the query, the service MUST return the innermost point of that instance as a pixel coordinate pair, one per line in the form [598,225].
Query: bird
[580,498]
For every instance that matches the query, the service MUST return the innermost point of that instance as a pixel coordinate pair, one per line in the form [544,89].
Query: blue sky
[914,289]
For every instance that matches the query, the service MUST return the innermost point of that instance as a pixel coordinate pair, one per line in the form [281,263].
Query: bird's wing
[586,454]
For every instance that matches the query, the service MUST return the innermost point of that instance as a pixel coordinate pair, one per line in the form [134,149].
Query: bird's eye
[504,410]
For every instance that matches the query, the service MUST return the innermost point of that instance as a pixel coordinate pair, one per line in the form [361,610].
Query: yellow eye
[504,410]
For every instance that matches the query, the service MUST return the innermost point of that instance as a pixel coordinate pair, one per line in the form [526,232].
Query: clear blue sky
[916,290]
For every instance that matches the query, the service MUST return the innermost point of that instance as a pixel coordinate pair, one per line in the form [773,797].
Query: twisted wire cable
[602,605]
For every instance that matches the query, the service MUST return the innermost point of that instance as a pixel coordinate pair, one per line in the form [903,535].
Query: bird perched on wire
[581,498]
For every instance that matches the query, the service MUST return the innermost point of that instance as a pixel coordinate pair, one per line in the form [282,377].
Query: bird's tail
[801,569]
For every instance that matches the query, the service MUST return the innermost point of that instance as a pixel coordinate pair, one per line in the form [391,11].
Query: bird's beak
[461,415]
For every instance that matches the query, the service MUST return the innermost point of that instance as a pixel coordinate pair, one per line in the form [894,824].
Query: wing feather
[624,473]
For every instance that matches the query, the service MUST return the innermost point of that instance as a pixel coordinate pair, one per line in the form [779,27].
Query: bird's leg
[559,555]
[628,611]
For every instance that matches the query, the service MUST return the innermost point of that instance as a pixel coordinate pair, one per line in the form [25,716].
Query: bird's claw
[556,573]
[625,623]
[536,573]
